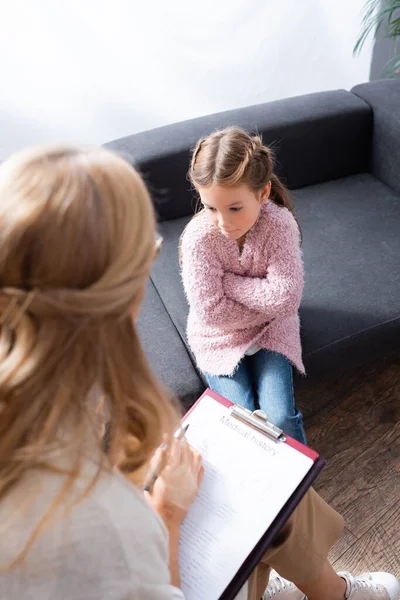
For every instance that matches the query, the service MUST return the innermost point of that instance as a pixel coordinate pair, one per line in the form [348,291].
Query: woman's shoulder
[119,511]
[125,504]
[111,530]
[116,510]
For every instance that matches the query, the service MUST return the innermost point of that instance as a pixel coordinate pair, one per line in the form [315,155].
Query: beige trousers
[302,546]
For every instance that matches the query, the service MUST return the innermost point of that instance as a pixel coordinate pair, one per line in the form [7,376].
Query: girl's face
[234,210]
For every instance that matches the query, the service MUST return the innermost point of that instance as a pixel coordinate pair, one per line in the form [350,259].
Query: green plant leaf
[374,17]
[371,21]
[394,27]
[392,68]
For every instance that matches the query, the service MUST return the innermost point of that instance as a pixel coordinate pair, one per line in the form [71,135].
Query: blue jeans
[264,380]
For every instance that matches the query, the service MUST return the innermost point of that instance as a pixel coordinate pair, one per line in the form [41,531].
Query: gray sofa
[339,152]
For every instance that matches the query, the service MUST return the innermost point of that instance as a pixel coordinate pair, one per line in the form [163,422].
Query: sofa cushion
[351,247]
[166,273]
[384,99]
[317,137]
[165,350]
[352,269]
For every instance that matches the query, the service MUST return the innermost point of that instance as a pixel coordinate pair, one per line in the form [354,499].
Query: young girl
[243,276]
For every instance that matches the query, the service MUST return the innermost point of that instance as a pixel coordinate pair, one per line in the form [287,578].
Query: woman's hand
[173,493]
[178,483]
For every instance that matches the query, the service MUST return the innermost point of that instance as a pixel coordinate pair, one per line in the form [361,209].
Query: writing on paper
[246,432]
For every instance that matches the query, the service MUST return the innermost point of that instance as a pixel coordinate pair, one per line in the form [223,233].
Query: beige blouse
[110,546]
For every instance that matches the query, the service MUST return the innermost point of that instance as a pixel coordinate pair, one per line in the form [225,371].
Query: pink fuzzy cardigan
[236,299]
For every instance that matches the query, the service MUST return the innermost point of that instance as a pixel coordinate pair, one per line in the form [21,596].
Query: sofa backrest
[316,137]
[384,99]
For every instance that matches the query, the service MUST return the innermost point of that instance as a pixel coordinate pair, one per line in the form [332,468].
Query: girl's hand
[178,483]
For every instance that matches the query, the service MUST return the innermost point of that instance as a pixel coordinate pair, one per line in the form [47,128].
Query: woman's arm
[173,494]
[174,531]
[278,294]
[203,277]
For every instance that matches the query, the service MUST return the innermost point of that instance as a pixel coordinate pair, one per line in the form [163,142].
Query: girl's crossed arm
[203,276]
[278,294]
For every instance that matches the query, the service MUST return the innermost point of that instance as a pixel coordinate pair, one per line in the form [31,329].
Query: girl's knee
[284,422]
[281,413]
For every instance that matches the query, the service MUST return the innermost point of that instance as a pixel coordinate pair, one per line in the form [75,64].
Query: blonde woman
[77,235]
[77,239]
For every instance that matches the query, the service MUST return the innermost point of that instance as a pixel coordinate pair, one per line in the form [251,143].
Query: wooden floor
[357,430]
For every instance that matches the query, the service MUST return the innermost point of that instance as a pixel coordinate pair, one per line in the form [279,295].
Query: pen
[155,472]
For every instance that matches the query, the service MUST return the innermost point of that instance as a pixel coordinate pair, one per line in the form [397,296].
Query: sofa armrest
[384,98]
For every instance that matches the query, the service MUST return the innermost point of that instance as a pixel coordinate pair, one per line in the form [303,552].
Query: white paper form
[248,478]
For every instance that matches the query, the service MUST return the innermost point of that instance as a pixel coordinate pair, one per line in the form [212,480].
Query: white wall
[94,70]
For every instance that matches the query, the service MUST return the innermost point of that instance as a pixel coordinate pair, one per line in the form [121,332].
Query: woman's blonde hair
[77,239]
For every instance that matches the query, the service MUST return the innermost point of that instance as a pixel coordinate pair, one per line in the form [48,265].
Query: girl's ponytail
[279,193]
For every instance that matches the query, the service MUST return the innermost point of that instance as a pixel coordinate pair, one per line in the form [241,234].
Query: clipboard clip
[258,420]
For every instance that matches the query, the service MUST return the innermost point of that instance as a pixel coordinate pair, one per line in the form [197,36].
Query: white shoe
[371,586]
[282,589]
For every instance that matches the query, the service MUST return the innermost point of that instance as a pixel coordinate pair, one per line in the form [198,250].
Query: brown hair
[77,235]
[232,156]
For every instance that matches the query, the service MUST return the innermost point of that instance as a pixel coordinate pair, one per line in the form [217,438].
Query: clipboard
[258,420]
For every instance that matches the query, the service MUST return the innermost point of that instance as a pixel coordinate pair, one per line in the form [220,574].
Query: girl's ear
[265,193]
